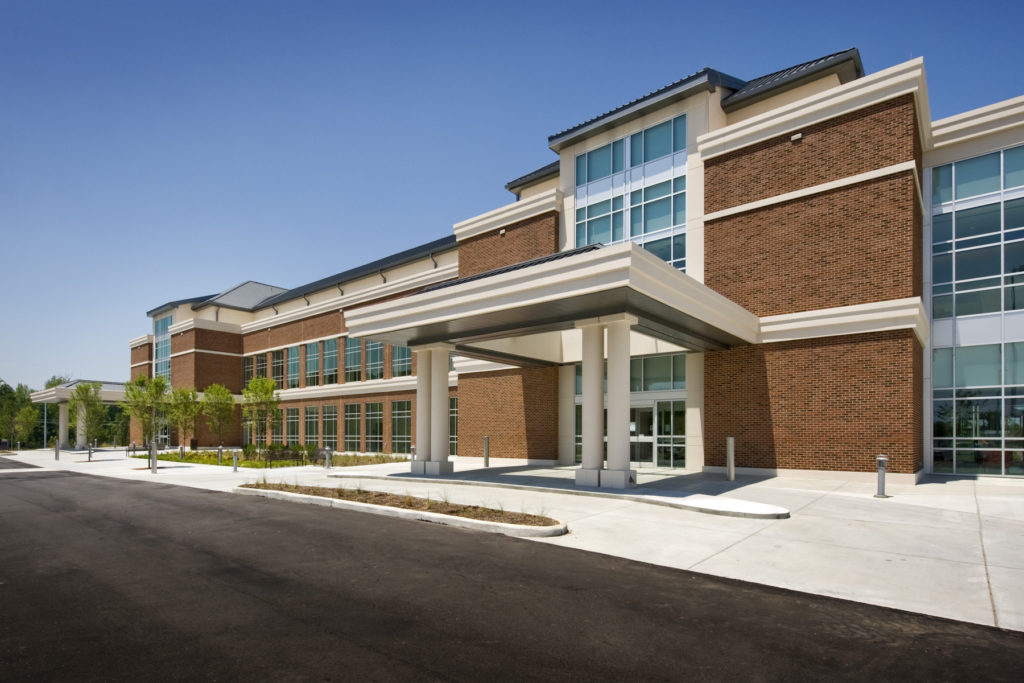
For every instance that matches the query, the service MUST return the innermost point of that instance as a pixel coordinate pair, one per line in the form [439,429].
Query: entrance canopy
[517,314]
[110,393]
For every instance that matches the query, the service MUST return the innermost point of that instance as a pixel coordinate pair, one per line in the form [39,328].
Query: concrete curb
[697,502]
[520,530]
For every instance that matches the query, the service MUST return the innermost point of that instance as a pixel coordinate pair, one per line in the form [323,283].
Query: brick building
[804,261]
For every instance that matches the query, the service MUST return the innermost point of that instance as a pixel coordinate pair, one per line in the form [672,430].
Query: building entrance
[658,434]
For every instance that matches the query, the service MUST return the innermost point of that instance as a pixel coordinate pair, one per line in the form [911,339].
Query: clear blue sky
[151,151]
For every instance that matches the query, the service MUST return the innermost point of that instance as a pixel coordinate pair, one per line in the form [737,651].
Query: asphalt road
[104,579]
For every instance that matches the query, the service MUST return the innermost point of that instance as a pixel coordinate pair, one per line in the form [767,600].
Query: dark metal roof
[846,64]
[398,259]
[179,302]
[542,173]
[241,297]
[515,266]
[705,79]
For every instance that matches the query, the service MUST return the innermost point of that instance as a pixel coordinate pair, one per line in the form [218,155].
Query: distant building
[804,261]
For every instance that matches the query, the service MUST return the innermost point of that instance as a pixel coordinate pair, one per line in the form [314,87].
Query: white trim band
[213,353]
[549,200]
[896,314]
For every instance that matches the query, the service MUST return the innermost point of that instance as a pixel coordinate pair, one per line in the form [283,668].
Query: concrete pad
[1008,596]
[1004,543]
[957,590]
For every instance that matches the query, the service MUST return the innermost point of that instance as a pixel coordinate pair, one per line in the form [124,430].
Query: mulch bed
[412,503]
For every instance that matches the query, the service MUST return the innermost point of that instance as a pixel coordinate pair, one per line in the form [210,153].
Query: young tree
[25,422]
[56,380]
[145,399]
[218,406]
[86,403]
[182,412]
[260,402]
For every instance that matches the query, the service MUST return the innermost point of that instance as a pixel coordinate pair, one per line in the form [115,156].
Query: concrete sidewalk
[947,547]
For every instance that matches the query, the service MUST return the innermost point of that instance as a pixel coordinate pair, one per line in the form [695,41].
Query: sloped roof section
[705,79]
[243,297]
[542,173]
[398,259]
[174,304]
[845,64]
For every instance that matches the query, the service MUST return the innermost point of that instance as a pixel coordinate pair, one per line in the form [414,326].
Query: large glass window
[312,364]
[352,415]
[330,427]
[293,367]
[649,144]
[331,361]
[162,347]
[292,425]
[401,361]
[374,427]
[453,426]
[374,360]
[657,373]
[277,367]
[261,365]
[401,426]
[312,425]
[247,370]
[353,360]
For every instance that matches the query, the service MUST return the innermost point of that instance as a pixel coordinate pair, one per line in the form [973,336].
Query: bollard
[19,446]
[152,457]
[327,458]
[235,465]
[220,455]
[882,461]
[90,452]
[56,449]
[730,458]
[487,451]
[181,452]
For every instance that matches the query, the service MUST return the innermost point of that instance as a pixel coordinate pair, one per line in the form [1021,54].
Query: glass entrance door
[641,436]
[670,443]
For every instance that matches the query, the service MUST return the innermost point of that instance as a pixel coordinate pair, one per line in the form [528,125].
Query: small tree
[182,412]
[260,402]
[86,403]
[218,407]
[145,399]
[25,422]
[56,380]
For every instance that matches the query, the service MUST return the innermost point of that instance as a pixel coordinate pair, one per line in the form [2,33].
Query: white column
[439,412]
[81,438]
[618,475]
[589,473]
[423,368]
[566,414]
[62,425]
[695,411]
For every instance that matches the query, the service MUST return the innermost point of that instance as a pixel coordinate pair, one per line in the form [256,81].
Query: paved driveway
[106,579]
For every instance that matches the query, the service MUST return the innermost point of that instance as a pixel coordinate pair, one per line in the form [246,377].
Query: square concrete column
[589,473]
[618,475]
[423,367]
[81,438]
[62,425]
[566,414]
[438,463]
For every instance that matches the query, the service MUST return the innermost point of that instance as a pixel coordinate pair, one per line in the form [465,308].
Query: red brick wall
[517,408]
[142,353]
[821,404]
[881,135]
[315,327]
[852,245]
[522,241]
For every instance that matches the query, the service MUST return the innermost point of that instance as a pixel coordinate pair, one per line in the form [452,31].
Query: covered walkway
[111,393]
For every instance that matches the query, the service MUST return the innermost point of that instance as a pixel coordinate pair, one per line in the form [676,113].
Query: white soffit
[890,83]
[549,200]
[980,122]
[897,314]
[141,341]
[203,324]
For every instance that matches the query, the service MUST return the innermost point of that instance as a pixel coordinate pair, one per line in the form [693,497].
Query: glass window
[981,301]
[599,208]
[679,371]
[353,360]
[374,360]
[657,373]
[401,426]
[942,184]
[312,364]
[312,425]
[277,368]
[658,141]
[1013,214]
[292,424]
[657,215]
[657,191]
[1013,257]
[977,221]
[617,155]
[401,361]
[617,226]
[661,248]
[678,133]
[599,163]
[942,227]
[942,307]
[978,366]
[581,170]
[942,268]
[247,370]
[974,263]
[679,209]
[977,176]
[331,361]
[261,365]
[978,418]
[1014,363]
[453,426]
[275,429]
[352,414]
[942,368]
[330,427]
[579,379]
[636,374]
[1013,167]
[374,427]
[942,418]
[599,230]
[636,221]
[636,149]
[293,367]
